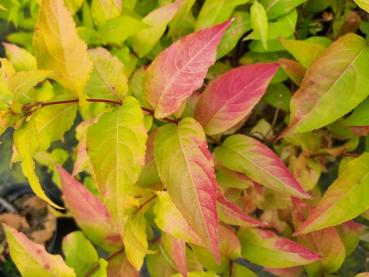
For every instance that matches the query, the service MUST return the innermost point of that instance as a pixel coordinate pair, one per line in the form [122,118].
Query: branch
[27,108]
[111,256]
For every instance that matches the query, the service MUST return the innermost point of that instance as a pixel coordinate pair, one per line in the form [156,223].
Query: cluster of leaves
[186,114]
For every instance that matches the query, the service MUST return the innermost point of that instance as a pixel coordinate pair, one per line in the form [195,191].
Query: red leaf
[181,68]
[89,212]
[176,249]
[234,215]
[232,96]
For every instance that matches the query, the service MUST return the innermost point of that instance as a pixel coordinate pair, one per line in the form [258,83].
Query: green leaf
[183,20]
[216,11]
[186,168]
[239,270]
[197,274]
[265,248]
[103,10]
[249,156]
[19,57]
[102,271]
[129,4]
[277,8]
[135,239]
[333,85]
[159,266]
[52,122]
[230,249]
[74,5]
[283,27]
[351,233]
[47,125]
[116,146]
[231,179]
[304,51]
[117,30]
[259,23]
[326,242]
[360,116]
[58,47]
[108,79]
[158,20]
[21,85]
[7,70]
[127,58]
[278,96]
[81,261]
[135,87]
[348,194]
[233,34]
[32,259]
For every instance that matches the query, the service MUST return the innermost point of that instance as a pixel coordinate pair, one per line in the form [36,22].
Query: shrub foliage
[202,134]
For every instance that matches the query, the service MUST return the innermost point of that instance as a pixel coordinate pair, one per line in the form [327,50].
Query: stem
[146,202]
[111,256]
[27,108]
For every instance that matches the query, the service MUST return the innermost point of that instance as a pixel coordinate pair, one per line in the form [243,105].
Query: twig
[146,202]
[96,267]
[27,108]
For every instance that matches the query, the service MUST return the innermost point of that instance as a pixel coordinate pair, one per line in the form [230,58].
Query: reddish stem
[96,267]
[91,100]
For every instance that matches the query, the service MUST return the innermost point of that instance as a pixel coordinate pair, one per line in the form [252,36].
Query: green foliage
[206,138]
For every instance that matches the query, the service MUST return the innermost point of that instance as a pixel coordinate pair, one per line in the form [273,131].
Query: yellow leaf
[58,47]
[32,259]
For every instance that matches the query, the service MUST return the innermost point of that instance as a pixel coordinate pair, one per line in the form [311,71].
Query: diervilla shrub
[181,153]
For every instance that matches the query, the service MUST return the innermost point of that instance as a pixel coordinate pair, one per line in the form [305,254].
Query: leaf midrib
[180,70]
[193,186]
[334,84]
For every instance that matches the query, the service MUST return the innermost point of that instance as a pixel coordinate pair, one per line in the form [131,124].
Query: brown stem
[145,203]
[111,256]
[27,108]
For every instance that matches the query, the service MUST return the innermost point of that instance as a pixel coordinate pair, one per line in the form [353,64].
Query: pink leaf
[120,266]
[180,69]
[32,259]
[186,168]
[231,214]
[327,242]
[231,97]
[176,249]
[267,249]
[89,212]
[252,158]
